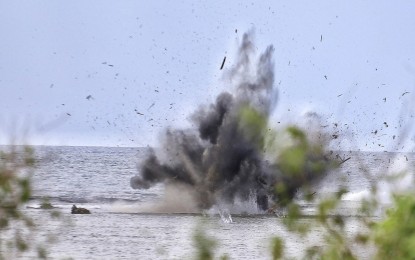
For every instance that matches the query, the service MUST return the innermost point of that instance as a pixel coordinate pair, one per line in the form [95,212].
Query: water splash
[225,216]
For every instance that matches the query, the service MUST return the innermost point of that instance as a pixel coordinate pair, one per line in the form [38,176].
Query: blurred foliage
[301,159]
[254,125]
[277,247]
[395,235]
[16,164]
[205,246]
[297,160]
[17,229]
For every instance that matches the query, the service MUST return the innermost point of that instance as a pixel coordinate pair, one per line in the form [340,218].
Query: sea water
[97,178]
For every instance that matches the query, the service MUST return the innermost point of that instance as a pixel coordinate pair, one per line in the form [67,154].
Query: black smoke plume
[223,160]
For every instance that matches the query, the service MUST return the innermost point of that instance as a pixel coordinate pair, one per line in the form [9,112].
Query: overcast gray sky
[115,73]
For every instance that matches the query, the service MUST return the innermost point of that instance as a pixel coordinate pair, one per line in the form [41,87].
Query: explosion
[226,157]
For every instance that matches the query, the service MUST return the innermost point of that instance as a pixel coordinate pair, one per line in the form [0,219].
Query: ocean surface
[124,226]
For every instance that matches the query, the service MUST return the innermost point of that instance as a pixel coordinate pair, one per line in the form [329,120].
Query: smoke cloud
[223,159]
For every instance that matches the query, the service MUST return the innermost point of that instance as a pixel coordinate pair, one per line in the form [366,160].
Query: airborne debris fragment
[138,113]
[152,105]
[223,63]
[344,160]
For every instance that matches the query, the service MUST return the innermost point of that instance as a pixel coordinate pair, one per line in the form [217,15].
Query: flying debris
[138,113]
[344,160]
[106,63]
[222,160]
[223,63]
[152,105]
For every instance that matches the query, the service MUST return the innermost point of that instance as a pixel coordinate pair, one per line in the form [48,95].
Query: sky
[117,73]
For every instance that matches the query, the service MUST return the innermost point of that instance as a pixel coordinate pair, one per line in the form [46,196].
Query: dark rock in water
[76,210]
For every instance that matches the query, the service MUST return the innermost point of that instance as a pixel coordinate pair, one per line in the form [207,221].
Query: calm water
[98,178]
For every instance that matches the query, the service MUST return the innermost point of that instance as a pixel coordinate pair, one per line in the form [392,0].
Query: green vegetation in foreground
[298,157]
[392,237]
[16,166]
[17,230]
